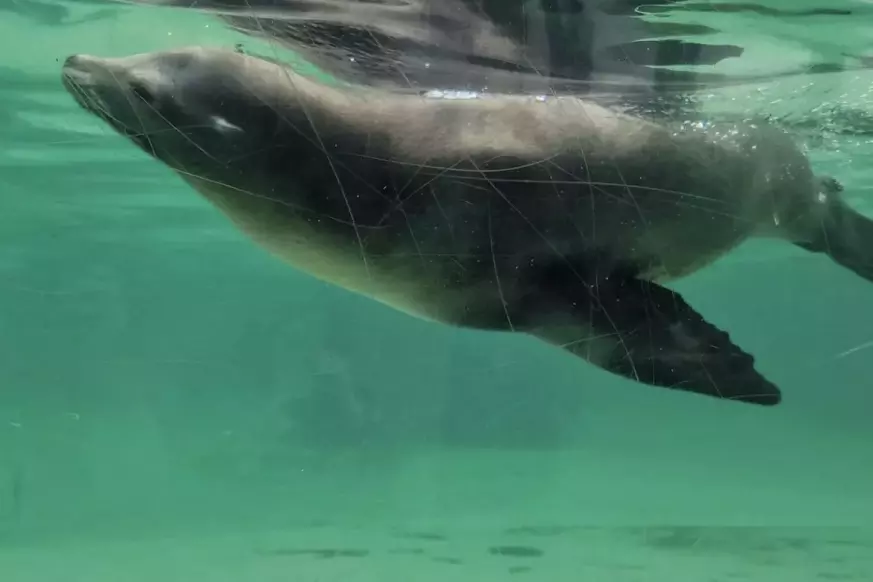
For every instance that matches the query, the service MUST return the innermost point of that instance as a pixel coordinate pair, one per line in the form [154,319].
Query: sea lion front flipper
[644,332]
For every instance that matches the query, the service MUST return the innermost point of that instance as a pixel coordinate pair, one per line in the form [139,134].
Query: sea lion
[548,216]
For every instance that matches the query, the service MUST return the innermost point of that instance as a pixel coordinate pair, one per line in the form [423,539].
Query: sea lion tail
[842,233]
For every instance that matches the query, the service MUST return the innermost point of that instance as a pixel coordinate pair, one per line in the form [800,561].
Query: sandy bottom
[744,500]
[477,518]
[548,553]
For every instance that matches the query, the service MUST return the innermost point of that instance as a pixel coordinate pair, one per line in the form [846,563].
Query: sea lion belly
[336,253]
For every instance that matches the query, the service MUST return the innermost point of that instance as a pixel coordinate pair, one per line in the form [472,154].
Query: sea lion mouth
[81,82]
[85,88]
[84,95]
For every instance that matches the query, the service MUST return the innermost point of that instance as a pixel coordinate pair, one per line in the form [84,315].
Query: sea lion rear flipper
[846,236]
[644,332]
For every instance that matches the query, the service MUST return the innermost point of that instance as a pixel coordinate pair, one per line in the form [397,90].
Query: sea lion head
[206,113]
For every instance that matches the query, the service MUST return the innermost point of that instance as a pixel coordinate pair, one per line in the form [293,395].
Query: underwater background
[175,404]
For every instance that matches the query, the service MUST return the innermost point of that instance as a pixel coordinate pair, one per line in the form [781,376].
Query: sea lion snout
[197,110]
[74,63]
[108,89]
[78,62]
[88,71]
[81,71]
[131,94]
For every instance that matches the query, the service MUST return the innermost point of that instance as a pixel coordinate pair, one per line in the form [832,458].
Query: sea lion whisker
[95,104]
[91,102]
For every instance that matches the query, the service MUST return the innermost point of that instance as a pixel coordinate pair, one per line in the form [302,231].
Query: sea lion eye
[142,92]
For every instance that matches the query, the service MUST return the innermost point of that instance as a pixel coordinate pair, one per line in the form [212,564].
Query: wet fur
[555,217]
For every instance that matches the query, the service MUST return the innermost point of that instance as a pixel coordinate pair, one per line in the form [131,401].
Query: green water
[177,405]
